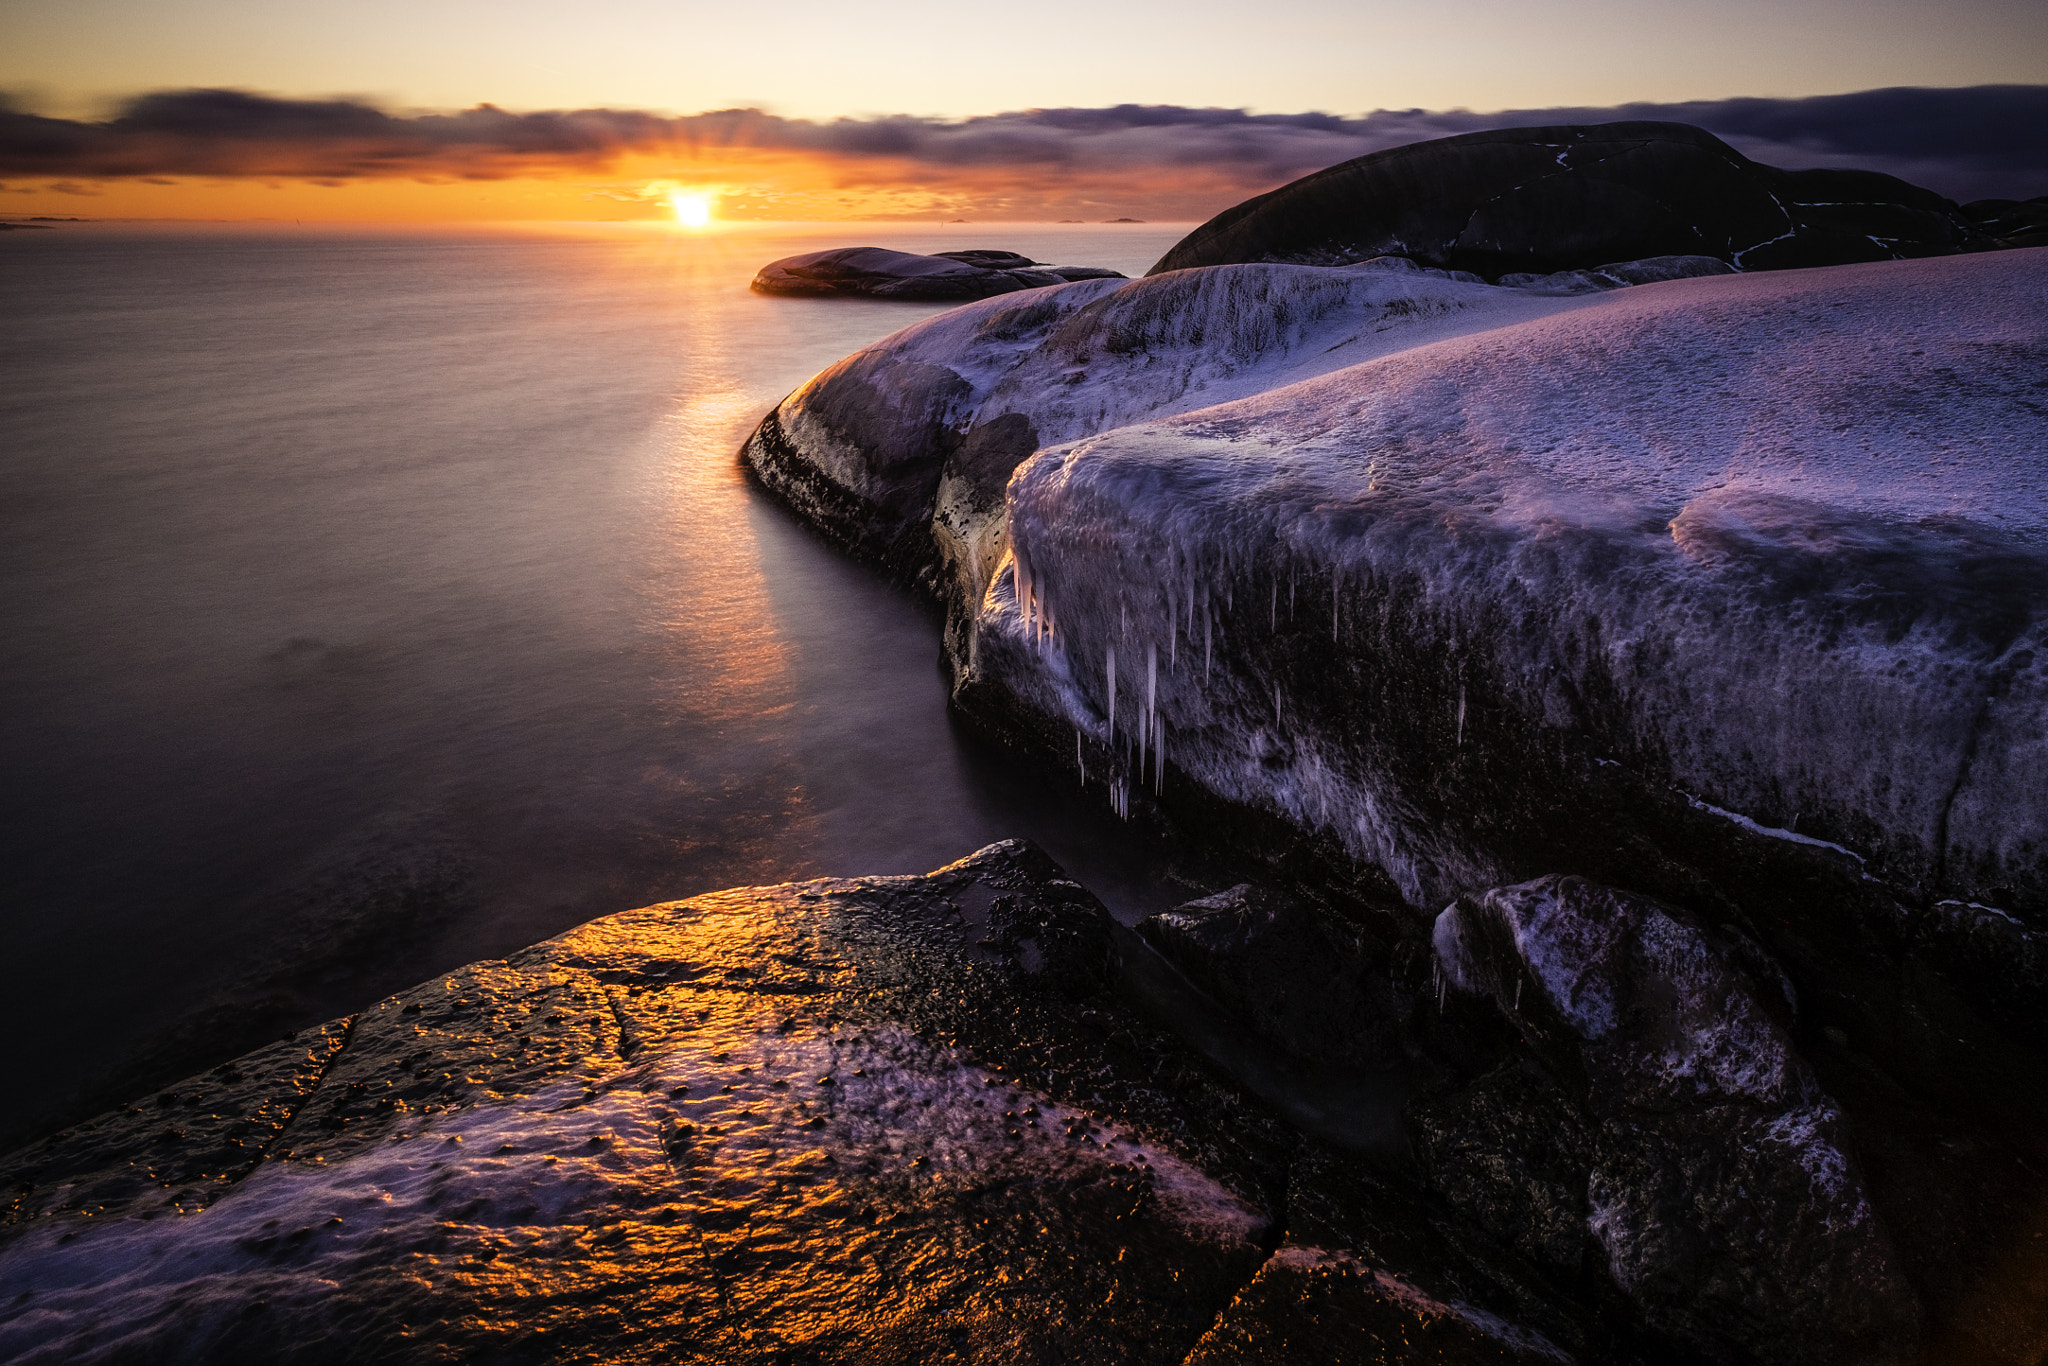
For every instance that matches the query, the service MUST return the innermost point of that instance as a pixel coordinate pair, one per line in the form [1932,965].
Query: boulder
[848,1120]
[1542,200]
[1319,988]
[1678,1128]
[943,277]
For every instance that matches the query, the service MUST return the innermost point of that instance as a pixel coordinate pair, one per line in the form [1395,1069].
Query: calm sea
[374,603]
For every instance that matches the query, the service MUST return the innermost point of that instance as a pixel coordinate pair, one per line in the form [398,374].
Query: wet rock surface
[1542,200]
[822,1120]
[942,277]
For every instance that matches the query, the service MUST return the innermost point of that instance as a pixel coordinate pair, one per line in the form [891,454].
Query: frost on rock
[1664,585]
[1776,540]
[1716,1178]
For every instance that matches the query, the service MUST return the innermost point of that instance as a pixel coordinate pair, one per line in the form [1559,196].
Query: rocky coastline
[1602,644]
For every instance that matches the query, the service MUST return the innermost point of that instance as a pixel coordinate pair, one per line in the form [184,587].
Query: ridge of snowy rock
[1781,540]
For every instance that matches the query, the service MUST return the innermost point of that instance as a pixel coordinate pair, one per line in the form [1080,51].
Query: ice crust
[515,1177]
[1780,540]
[665,1109]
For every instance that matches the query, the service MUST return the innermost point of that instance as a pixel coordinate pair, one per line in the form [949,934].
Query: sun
[692,210]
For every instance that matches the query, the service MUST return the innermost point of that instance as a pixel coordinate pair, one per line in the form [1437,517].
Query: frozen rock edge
[1728,589]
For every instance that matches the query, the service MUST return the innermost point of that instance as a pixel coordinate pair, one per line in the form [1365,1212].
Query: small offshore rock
[943,277]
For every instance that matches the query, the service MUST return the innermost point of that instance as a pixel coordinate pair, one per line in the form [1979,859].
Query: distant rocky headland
[1588,588]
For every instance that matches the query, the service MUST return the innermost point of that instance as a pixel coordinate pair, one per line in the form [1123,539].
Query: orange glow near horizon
[700,190]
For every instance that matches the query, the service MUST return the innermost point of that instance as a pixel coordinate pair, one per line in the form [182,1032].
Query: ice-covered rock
[1780,541]
[1728,589]
[1689,1138]
[1618,275]
[1542,200]
[913,439]
[942,277]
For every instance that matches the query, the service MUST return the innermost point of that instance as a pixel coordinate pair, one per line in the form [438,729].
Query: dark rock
[944,277]
[1542,200]
[2013,222]
[1319,988]
[1717,1178]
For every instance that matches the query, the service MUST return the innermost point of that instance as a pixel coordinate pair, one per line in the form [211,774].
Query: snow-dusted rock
[1618,275]
[1540,200]
[1780,542]
[943,277]
[1706,1162]
[1726,589]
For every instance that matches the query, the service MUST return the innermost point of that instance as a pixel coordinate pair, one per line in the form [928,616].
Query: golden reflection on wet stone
[760,1125]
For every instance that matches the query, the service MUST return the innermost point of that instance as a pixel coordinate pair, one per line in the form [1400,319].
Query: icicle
[1461,716]
[1151,679]
[1208,642]
[1172,633]
[1518,994]
[1079,761]
[1112,692]
[1276,705]
[1159,759]
[1290,595]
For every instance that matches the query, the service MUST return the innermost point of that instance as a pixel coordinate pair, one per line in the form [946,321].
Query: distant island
[944,277]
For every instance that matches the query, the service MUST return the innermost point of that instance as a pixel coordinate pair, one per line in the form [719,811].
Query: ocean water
[375,602]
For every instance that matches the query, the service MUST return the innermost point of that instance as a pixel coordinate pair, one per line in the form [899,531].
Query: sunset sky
[916,109]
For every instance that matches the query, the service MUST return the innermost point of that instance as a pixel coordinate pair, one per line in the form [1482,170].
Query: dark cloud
[1967,143]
